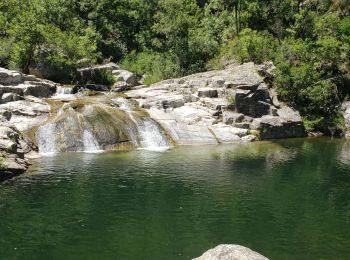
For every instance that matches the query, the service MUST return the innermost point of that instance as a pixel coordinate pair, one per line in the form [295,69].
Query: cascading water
[46,138]
[150,136]
[90,143]
[89,124]
[68,131]
[65,93]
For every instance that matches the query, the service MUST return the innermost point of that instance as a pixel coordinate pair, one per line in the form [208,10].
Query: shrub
[51,51]
[100,77]
[153,65]
[253,46]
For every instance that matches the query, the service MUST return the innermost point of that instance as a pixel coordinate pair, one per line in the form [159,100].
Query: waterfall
[46,139]
[64,93]
[151,136]
[68,131]
[90,143]
[92,127]
[149,133]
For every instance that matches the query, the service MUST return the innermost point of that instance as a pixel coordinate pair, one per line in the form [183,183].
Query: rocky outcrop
[231,252]
[24,85]
[20,110]
[15,150]
[220,106]
[346,114]
[124,79]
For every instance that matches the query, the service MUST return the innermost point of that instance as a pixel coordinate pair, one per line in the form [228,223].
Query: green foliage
[153,66]
[100,77]
[253,46]
[333,125]
[309,41]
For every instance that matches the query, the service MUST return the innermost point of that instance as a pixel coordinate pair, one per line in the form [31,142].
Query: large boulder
[9,77]
[14,149]
[346,114]
[207,92]
[120,75]
[24,85]
[9,97]
[287,124]
[254,103]
[125,76]
[231,252]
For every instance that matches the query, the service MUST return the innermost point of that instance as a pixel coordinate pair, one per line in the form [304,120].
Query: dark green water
[286,200]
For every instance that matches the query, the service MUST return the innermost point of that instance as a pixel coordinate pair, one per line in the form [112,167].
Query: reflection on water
[287,200]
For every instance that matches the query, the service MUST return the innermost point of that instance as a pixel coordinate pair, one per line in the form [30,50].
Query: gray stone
[249,138]
[346,113]
[230,117]
[214,103]
[9,97]
[43,90]
[243,125]
[231,252]
[175,105]
[126,76]
[207,92]
[173,102]
[252,103]
[9,77]
[273,127]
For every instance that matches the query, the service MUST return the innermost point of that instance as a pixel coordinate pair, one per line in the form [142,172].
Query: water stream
[90,126]
[64,93]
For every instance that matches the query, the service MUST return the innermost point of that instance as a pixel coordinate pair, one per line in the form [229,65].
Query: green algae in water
[287,200]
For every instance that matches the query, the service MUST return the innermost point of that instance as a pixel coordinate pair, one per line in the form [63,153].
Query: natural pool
[286,200]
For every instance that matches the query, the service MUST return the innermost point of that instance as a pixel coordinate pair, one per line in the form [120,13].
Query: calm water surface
[287,200]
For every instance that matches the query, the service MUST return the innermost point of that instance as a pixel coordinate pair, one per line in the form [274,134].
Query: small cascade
[46,138]
[90,143]
[92,127]
[150,136]
[65,93]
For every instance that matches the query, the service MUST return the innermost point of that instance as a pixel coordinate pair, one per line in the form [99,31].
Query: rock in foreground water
[231,252]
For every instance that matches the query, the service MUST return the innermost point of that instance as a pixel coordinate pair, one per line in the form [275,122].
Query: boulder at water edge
[231,252]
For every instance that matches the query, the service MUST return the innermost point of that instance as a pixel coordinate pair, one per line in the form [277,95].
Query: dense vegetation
[309,42]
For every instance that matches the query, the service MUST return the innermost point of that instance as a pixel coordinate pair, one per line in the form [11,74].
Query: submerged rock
[231,252]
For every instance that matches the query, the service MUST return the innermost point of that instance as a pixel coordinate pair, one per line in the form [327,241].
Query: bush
[332,125]
[51,53]
[253,46]
[153,65]
[99,77]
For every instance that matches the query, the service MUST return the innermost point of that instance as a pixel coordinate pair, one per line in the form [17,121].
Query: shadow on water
[287,200]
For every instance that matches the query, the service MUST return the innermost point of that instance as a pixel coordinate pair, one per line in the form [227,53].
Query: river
[288,199]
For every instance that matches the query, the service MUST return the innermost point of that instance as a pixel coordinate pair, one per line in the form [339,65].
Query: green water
[286,200]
